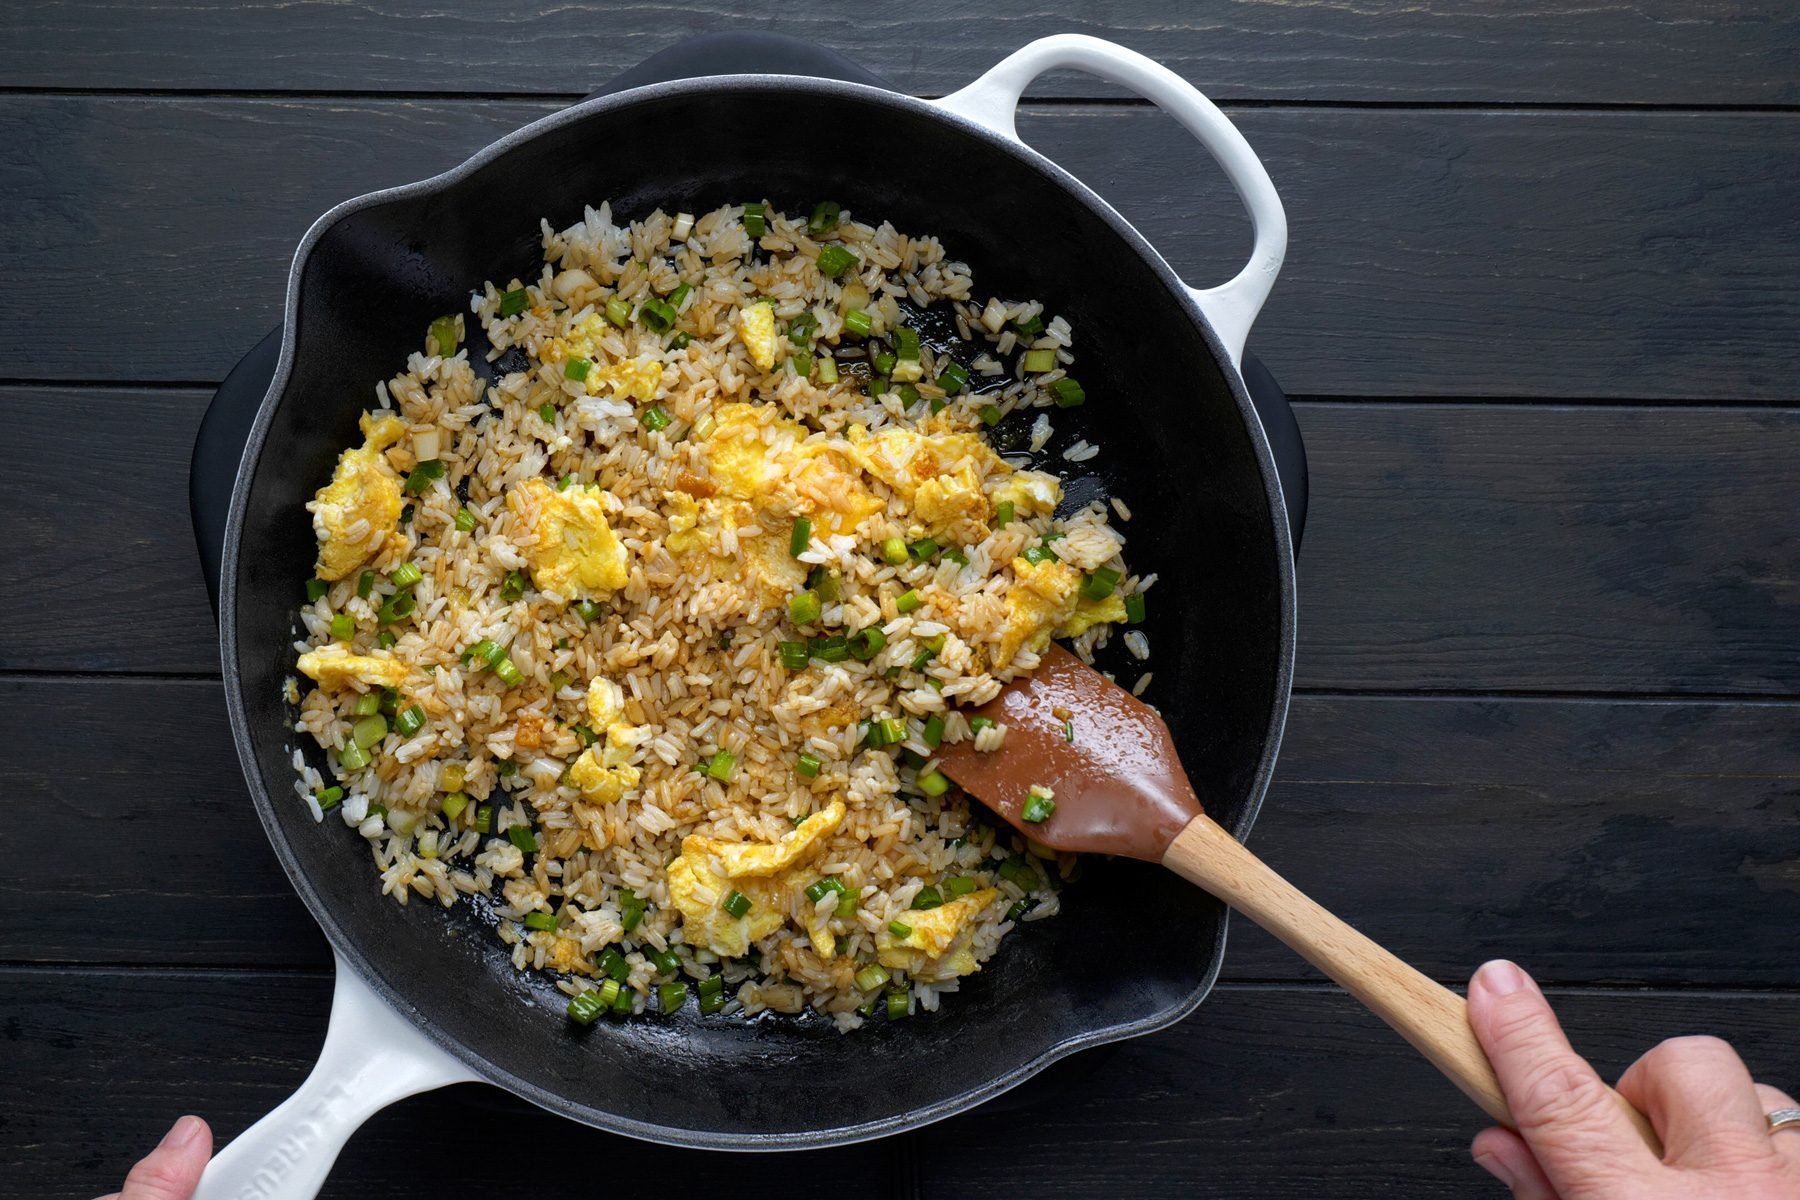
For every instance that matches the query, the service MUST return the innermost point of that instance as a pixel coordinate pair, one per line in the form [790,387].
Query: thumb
[172,1170]
[1566,1114]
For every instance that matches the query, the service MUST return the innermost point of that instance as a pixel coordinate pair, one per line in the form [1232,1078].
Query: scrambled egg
[565,955]
[637,379]
[756,329]
[1089,613]
[362,488]
[1044,597]
[577,553]
[334,666]
[767,874]
[602,772]
[772,465]
[939,942]
[1032,493]
[938,475]
[743,460]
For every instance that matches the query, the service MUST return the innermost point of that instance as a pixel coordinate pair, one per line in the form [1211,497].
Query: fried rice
[647,622]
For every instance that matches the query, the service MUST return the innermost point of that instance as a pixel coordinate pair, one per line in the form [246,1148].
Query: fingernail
[1503,978]
[182,1133]
[1493,1166]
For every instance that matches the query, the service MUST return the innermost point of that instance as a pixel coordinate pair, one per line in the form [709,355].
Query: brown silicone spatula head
[1106,758]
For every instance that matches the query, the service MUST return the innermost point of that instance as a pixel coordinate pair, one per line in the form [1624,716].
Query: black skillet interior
[1133,947]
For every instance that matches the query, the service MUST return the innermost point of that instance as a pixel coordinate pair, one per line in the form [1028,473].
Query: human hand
[172,1170]
[1573,1141]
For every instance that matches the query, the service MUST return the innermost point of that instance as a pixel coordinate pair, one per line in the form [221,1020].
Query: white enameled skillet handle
[372,1057]
[992,100]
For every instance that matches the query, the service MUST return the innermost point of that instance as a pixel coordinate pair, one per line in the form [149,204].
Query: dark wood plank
[1629,255]
[1277,1092]
[1594,841]
[166,861]
[1525,548]
[100,546]
[1451,546]
[116,1057]
[1286,1094]
[1553,51]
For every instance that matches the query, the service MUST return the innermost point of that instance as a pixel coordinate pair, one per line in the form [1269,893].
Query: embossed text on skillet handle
[372,1057]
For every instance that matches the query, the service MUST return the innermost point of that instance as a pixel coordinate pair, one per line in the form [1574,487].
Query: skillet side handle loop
[993,100]
[1421,1010]
[372,1057]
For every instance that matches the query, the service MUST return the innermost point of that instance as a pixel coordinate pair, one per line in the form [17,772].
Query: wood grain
[1644,842]
[1450,546]
[1624,255]
[1266,1092]
[1550,51]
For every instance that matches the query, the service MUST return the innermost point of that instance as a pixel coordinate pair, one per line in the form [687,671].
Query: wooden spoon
[1119,789]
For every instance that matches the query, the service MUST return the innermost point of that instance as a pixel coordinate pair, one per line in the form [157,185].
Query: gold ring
[1784,1118]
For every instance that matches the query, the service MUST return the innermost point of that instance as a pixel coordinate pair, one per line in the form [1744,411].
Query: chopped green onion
[1038,808]
[1134,608]
[712,985]
[801,537]
[933,783]
[956,556]
[406,575]
[465,521]
[800,329]
[406,515]
[909,395]
[679,296]
[353,757]
[514,302]
[899,1005]
[443,332]
[618,311]
[509,673]
[585,735]
[588,611]
[922,549]
[410,721]
[612,964]
[756,219]
[1019,908]
[562,485]
[795,656]
[827,369]
[847,902]
[657,315]
[713,1001]
[1068,393]
[423,475]
[542,921]
[365,586]
[894,551]
[906,343]
[888,731]
[934,730]
[736,903]
[808,765]
[680,340]
[1019,871]
[816,890]
[990,414]
[959,885]
[672,996]
[631,909]
[654,418]
[938,405]
[622,1005]
[722,767]
[368,731]
[928,897]
[560,680]
[833,648]
[866,643]
[1031,327]
[1100,583]
[1038,555]
[585,1009]
[577,369]
[1003,514]
[506,768]
[367,704]
[385,640]
[609,992]
[952,377]
[513,586]
[1036,362]
[665,961]
[907,600]
[484,818]
[343,627]
[858,323]
[977,724]
[453,805]
[547,414]
[824,218]
[1069,730]
[489,652]
[871,977]
[900,929]
[522,837]
[835,260]
[825,582]
[884,363]
[804,607]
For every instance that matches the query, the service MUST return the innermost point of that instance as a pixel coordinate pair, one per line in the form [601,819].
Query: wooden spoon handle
[1427,1014]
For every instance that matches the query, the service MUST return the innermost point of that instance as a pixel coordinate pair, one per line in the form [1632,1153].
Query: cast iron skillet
[426,998]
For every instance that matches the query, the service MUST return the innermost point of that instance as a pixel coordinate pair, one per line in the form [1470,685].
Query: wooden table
[1539,318]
